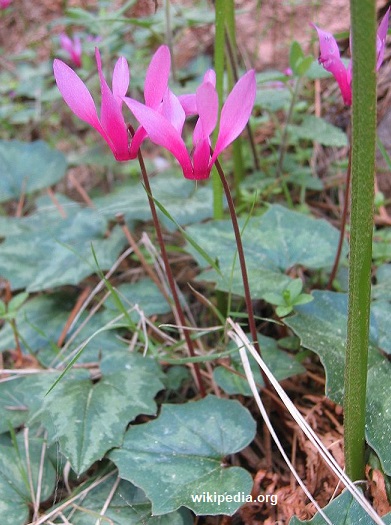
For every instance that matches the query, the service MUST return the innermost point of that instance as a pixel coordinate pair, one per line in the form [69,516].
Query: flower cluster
[330,57]
[163,114]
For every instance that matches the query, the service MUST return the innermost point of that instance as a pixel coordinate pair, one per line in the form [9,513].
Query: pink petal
[172,110]
[66,42]
[162,132]
[136,142]
[201,158]
[210,76]
[188,102]
[156,79]
[330,59]
[236,112]
[381,39]
[207,108]
[76,94]
[121,78]
[111,117]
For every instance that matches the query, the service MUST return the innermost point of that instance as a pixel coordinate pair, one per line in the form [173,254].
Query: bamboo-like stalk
[363,24]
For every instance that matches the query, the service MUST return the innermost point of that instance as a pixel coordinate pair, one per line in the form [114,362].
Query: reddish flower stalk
[169,274]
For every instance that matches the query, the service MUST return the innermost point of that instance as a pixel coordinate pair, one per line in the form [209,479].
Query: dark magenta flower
[72,47]
[164,125]
[111,124]
[330,57]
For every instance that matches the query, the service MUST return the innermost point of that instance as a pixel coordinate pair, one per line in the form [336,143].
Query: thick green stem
[363,23]
[218,205]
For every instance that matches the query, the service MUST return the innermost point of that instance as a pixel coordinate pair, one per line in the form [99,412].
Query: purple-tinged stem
[169,274]
[343,224]
[242,260]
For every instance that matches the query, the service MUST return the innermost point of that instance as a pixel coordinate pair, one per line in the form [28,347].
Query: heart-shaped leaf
[28,166]
[343,510]
[88,419]
[16,460]
[128,506]
[272,243]
[178,458]
[321,326]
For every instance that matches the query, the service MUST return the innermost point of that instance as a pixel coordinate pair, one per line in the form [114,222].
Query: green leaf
[343,510]
[17,301]
[295,287]
[185,449]
[49,254]
[280,363]
[273,99]
[296,55]
[303,66]
[316,129]
[88,419]
[128,506]
[321,326]
[185,201]
[26,167]
[21,396]
[272,243]
[15,495]
[282,311]
[40,322]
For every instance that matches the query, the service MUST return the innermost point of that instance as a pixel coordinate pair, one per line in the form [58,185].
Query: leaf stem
[363,22]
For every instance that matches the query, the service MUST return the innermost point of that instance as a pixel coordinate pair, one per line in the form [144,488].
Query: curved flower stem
[169,274]
[343,223]
[242,260]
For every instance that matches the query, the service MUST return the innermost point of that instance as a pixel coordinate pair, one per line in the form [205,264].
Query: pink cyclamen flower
[164,127]
[330,57]
[72,47]
[111,124]
[5,3]
[155,87]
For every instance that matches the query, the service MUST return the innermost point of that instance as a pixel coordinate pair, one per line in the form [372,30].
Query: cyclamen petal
[76,94]
[111,117]
[112,126]
[381,39]
[161,132]
[156,79]
[330,59]
[236,112]
[121,77]
[155,89]
[172,110]
[72,47]
[207,106]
